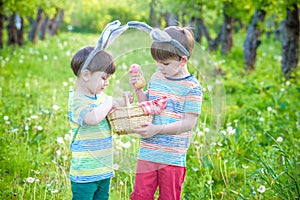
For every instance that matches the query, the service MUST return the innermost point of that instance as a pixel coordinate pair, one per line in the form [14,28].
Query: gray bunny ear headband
[158,35]
[108,35]
[114,30]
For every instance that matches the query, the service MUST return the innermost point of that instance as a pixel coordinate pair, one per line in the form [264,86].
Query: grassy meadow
[253,155]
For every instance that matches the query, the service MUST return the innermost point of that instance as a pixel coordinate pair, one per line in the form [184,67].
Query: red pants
[150,175]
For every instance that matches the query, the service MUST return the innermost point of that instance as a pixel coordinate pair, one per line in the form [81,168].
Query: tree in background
[290,41]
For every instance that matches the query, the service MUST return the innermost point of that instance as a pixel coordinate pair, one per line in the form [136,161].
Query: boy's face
[170,68]
[97,82]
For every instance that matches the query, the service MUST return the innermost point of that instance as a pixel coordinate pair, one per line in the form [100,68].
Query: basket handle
[127,103]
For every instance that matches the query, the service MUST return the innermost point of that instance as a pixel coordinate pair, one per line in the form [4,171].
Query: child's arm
[97,114]
[121,102]
[186,124]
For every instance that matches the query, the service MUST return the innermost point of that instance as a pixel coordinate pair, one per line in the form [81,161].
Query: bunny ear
[105,34]
[103,40]
[113,35]
[140,25]
[160,36]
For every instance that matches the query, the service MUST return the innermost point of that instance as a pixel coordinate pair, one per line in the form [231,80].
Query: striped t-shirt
[183,96]
[91,146]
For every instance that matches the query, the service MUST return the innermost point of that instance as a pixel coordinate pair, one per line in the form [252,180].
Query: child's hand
[136,79]
[148,129]
[127,98]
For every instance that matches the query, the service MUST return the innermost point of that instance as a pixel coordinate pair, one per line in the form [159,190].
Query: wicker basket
[125,119]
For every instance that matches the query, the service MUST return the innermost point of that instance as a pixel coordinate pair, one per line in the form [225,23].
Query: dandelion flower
[5,118]
[34,117]
[210,182]
[261,189]
[30,179]
[54,191]
[269,109]
[261,119]
[58,152]
[282,89]
[245,166]
[55,107]
[279,139]
[60,140]
[288,83]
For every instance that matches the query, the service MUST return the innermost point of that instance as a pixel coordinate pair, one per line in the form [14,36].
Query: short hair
[165,50]
[102,61]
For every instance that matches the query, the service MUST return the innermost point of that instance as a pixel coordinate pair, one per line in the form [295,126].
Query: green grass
[256,147]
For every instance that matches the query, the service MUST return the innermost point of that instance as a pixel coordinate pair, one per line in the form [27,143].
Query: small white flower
[54,191]
[214,143]
[55,107]
[220,144]
[58,152]
[68,53]
[261,119]
[126,145]
[45,57]
[65,84]
[6,118]
[245,166]
[258,112]
[261,189]
[282,89]
[270,109]
[225,161]
[30,179]
[288,83]
[279,139]
[206,130]
[115,166]
[34,117]
[121,183]
[210,182]
[223,132]
[60,140]
[200,133]
[68,137]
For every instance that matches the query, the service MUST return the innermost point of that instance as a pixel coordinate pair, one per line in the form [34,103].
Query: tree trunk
[252,40]
[290,42]
[12,31]
[227,31]
[213,44]
[198,31]
[35,26]
[20,29]
[171,19]
[57,23]
[44,27]
[2,19]
[152,14]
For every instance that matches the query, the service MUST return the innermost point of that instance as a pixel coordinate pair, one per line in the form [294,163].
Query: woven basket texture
[125,119]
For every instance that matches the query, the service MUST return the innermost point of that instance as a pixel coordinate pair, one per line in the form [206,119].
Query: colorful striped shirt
[183,96]
[91,146]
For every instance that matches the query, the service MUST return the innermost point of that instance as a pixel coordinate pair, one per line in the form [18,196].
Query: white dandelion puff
[279,139]
[30,179]
[261,189]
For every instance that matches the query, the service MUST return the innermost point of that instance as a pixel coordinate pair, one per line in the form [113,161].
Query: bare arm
[187,123]
[97,114]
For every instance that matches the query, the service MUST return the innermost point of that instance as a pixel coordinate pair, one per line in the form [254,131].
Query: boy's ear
[86,75]
[183,60]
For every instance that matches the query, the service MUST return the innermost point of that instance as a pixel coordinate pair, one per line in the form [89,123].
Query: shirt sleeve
[193,100]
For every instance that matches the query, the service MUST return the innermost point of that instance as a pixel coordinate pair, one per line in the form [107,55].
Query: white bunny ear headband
[113,30]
